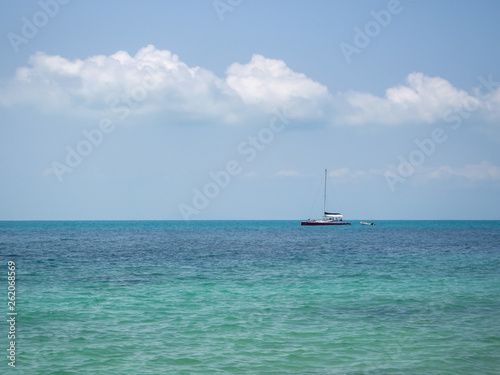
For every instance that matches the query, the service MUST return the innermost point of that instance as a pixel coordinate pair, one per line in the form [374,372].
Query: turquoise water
[253,297]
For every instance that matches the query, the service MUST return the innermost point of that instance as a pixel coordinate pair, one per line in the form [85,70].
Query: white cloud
[151,80]
[484,171]
[492,104]
[271,83]
[157,82]
[345,175]
[423,99]
[481,172]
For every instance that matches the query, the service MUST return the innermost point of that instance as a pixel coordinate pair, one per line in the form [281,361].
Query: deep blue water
[253,297]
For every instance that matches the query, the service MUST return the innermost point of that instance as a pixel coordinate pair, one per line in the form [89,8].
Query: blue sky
[232,109]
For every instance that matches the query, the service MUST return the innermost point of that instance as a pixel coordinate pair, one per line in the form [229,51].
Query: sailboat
[329,218]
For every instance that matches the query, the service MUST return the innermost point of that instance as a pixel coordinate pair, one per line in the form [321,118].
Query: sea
[250,297]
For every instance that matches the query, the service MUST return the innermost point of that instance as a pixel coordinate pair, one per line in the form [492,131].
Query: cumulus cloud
[271,83]
[492,105]
[157,81]
[423,99]
[151,80]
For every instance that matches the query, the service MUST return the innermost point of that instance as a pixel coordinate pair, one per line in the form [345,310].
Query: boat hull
[311,223]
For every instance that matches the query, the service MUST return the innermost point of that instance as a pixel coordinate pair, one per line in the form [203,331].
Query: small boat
[329,218]
[365,223]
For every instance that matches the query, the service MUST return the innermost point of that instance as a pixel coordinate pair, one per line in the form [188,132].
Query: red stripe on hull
[316,223]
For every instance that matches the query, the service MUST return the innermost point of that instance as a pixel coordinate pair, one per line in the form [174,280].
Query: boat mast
[324,197]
